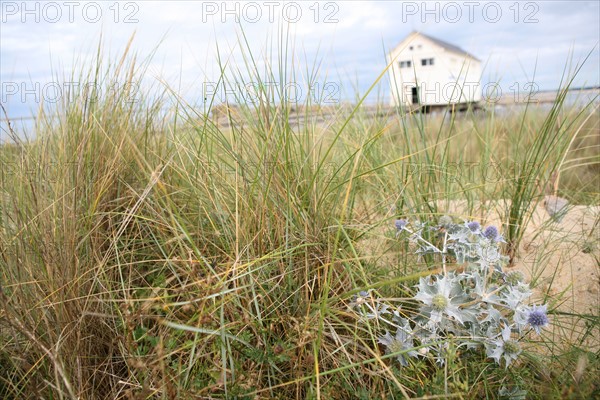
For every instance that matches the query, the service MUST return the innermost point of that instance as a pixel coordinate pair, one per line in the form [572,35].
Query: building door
[415,95]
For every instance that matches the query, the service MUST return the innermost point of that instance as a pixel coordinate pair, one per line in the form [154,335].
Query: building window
[427,61]
[405,64]
[410,48]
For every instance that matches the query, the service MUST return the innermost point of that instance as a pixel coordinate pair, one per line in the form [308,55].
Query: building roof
[439,42]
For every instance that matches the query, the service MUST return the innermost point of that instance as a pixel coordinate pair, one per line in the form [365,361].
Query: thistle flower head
[474,226]
[400,343]
[439,302]
[441,299]
[536,317]
[512,347]
[491,233]
[514,278]
[400,224]
[445,221]
[504,347]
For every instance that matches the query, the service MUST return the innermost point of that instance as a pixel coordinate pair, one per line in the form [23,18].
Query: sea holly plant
[471,301]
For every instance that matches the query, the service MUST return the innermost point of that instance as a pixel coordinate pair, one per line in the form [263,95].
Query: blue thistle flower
[474,226]
[491,233]
[401,224]
[536,316]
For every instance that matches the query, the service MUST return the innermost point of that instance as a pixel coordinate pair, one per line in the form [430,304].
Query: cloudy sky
[518,42]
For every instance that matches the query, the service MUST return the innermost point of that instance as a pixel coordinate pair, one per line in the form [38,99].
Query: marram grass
[148,251]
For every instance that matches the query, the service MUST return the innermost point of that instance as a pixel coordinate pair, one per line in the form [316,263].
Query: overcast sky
[347,39]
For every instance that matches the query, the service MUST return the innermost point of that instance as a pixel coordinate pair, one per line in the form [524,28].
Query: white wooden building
[430,72]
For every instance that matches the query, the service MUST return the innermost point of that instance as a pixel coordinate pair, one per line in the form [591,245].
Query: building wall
[453,78]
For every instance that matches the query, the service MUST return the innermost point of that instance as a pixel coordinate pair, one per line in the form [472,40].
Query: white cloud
[351,48]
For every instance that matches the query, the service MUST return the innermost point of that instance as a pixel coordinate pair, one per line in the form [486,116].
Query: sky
[517,42]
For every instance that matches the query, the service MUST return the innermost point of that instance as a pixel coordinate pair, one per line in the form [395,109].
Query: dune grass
[148,252]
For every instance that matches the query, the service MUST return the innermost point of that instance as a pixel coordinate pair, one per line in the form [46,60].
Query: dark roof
[446,45]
